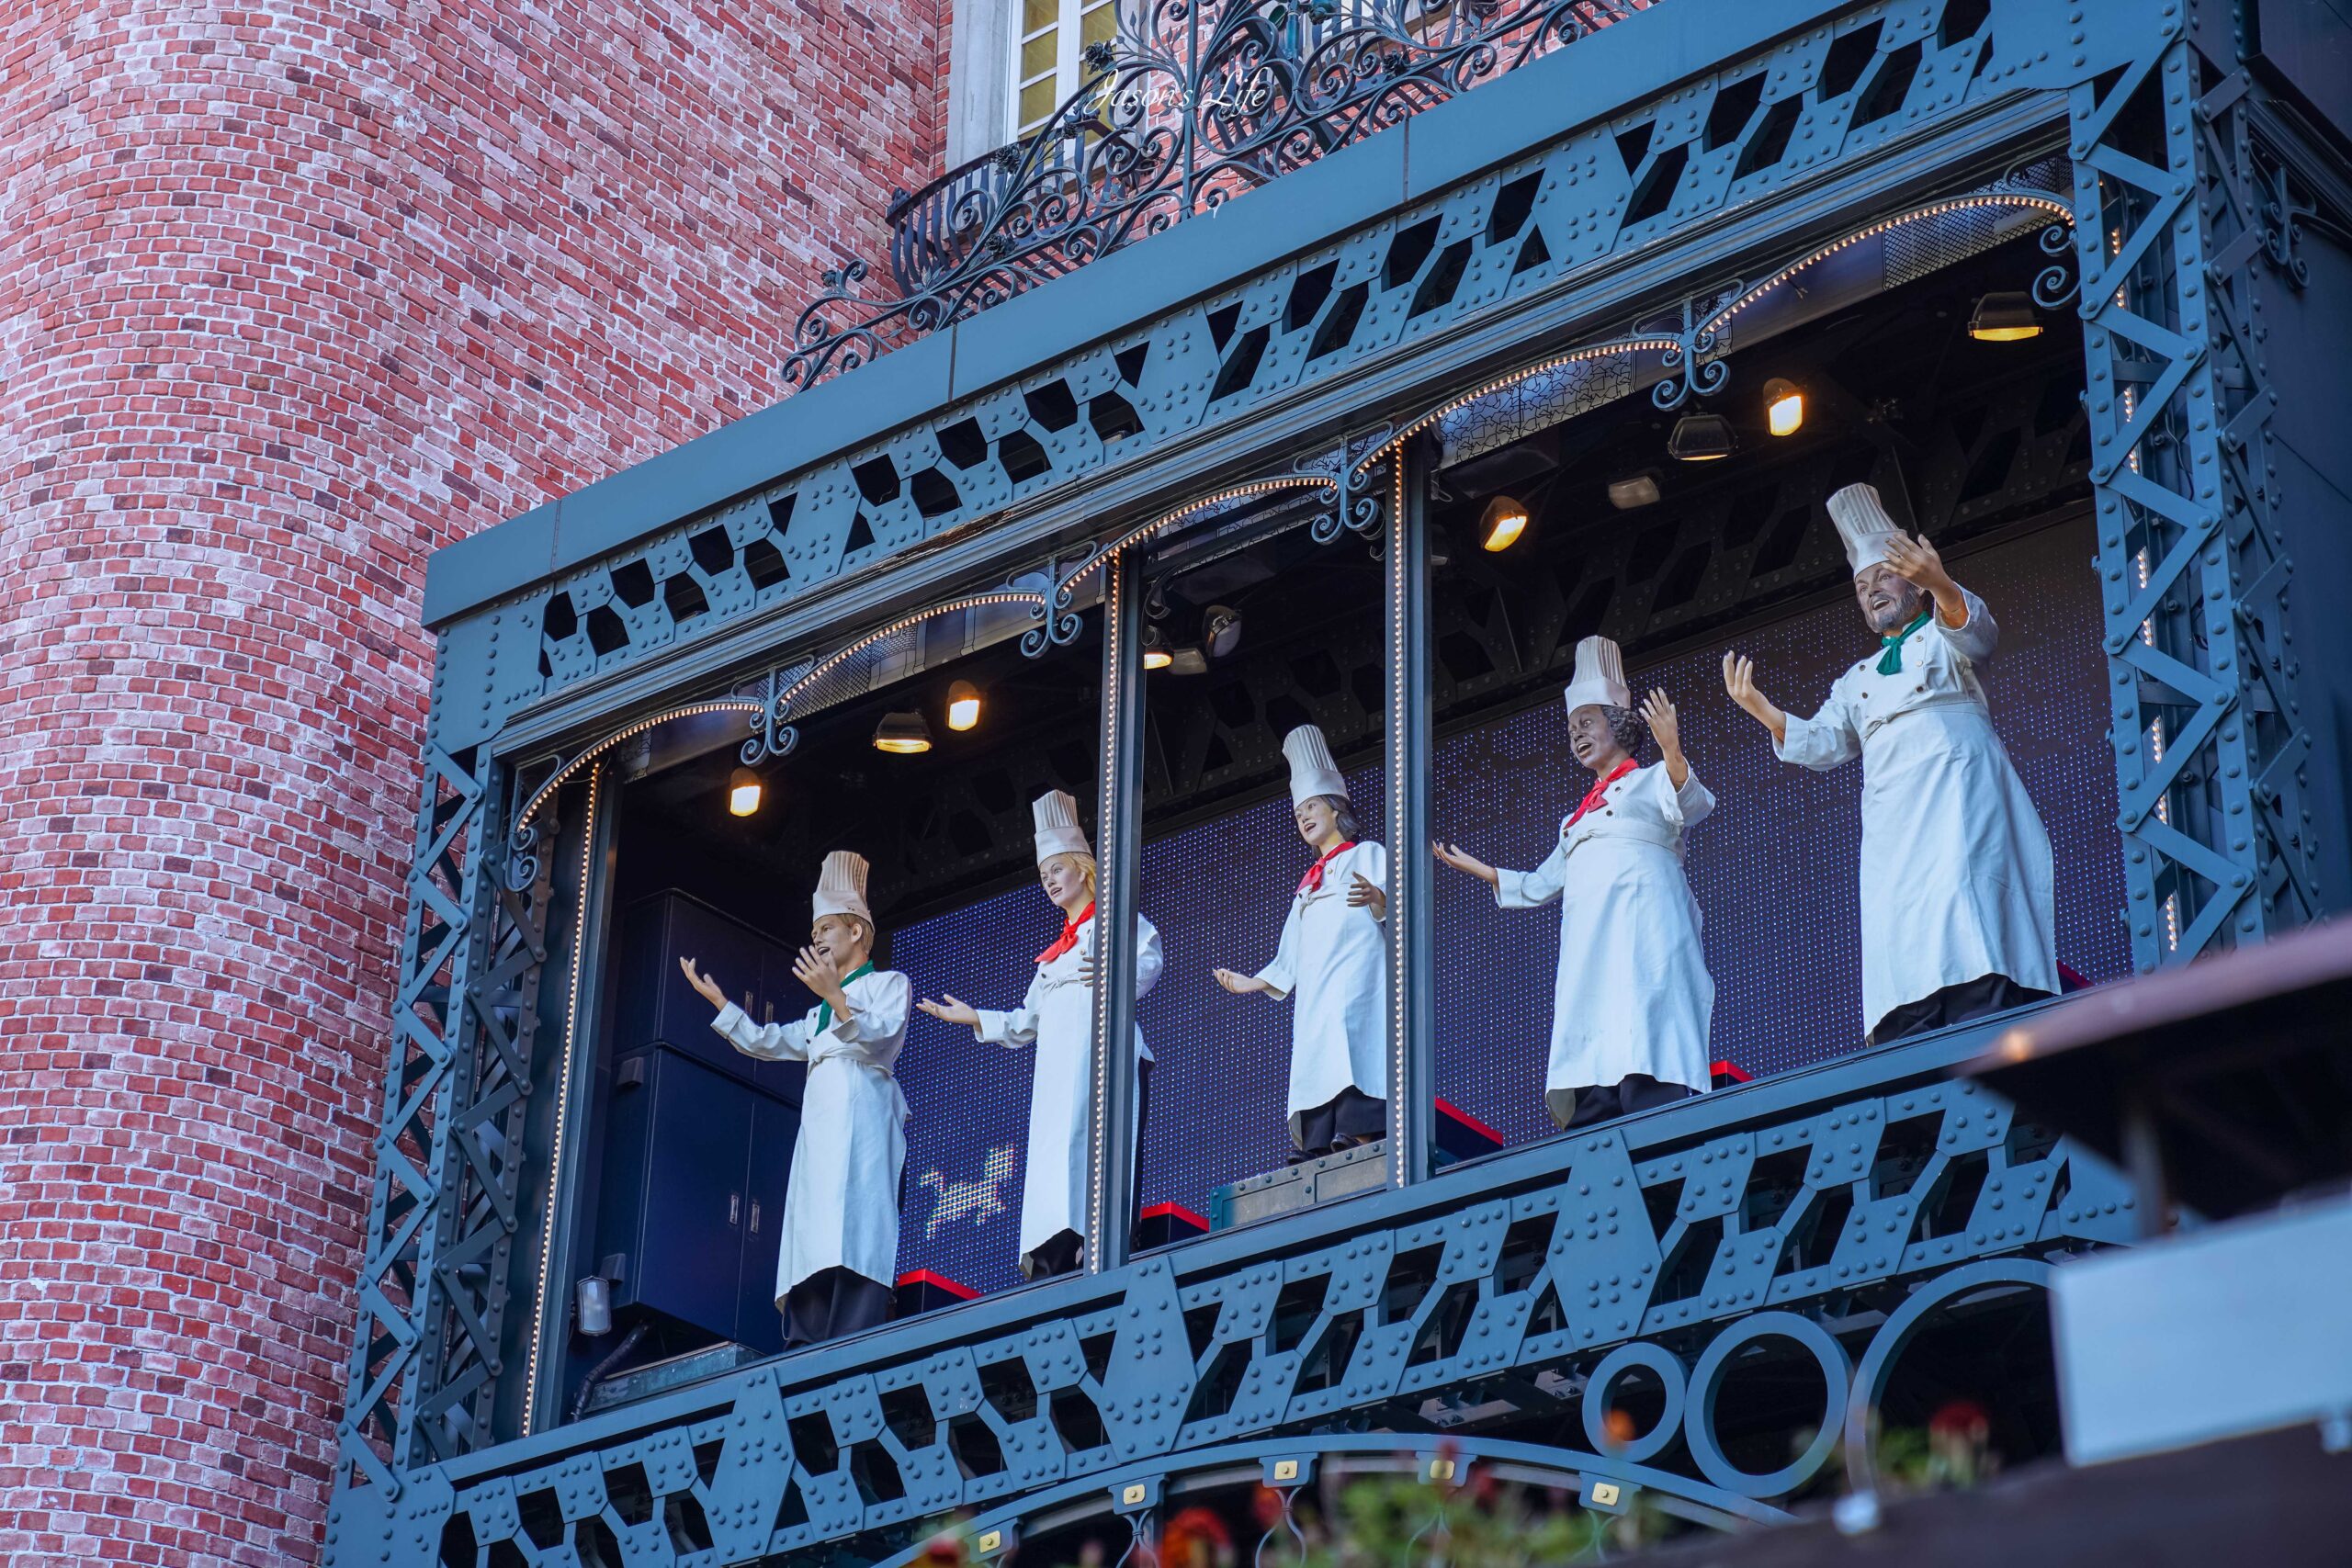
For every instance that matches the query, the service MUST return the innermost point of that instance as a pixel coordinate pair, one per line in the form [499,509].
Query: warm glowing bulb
[1157,659]
[963,705]
[903,734]
[742,792]
[2004,318]
[1783,407]
[1504,520]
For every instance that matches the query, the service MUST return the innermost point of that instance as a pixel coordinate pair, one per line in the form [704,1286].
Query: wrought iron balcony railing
[1195,102]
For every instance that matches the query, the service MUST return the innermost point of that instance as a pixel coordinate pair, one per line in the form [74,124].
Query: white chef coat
[1335,958]
[1632,994]
[841,1200]
[1956,880]
[1057,1017]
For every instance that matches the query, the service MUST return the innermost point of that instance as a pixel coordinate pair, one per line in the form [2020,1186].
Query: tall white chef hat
[1312,771]
[1863,525]
[1058,829]
[1599,676]
[841,887]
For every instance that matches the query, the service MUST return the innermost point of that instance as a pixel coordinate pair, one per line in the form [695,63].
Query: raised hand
[1917,562]
[1239,985]
[1364,894]
[1461,859]
[1658,712]
[1739,680]
[950,1010]
[704,986]
[820,973]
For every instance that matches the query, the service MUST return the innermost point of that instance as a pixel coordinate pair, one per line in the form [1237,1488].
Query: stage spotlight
[1701,438]
[1156,654]
[963,705]
[1188,661]
[2004,318]
[903,734]
[1783,407]
[742,792]
[1220,630]
[1501,524]
[1632,490]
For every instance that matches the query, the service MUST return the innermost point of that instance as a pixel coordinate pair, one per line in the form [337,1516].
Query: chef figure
[1632,1000]
[839,1247]
[1957,912]
[1333,954]
[1057,1017]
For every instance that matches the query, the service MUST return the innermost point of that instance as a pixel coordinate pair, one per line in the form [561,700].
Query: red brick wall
[291,294]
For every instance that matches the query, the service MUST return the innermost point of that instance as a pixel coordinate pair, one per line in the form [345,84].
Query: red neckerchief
[1068,939]
[1600,788]
[1314,877]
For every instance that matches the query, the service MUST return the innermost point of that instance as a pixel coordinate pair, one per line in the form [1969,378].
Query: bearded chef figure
[1632,1000]
[839,1247]
[1332,962]
[1957,911]
[1057,1017]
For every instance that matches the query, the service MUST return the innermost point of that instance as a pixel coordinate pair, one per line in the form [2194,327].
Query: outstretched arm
[1739,680]
[1462,860]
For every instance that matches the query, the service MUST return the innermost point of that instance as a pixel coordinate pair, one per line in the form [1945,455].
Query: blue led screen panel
[1773,870]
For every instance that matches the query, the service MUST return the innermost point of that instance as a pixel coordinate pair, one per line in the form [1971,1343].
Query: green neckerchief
[825,1010]
[1891,662]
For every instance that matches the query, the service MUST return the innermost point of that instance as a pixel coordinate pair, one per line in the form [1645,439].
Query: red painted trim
[1731,1070]
[1177,1210]
[941,1282]
[1447,1108]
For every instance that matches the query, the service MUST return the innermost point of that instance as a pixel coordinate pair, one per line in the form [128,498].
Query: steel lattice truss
[2208,738]
[1488,1280]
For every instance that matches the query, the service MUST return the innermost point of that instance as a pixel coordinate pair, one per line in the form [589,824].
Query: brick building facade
[289,295]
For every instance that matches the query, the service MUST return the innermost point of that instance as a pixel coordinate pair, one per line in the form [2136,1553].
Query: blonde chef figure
[1057,1017]
[1632,1000]
[1958,915]
[1334,955]
[839,1251]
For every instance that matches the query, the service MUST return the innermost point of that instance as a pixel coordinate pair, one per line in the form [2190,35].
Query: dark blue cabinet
[693,1195]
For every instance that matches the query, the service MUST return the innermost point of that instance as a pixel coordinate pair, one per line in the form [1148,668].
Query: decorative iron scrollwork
[1195,102]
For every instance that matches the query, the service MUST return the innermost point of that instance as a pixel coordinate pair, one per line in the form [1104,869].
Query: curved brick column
[291,293]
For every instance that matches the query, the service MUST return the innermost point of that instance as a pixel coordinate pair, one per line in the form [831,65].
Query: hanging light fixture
[1501,524]
[1634,489]
[1783,407]
[1220,630]
[1155,653]
[742,792]
[1701,437]
[963,705]
[903,734]
[2004,318]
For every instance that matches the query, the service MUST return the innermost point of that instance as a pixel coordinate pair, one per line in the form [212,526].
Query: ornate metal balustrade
[1193,102]
[2183,220]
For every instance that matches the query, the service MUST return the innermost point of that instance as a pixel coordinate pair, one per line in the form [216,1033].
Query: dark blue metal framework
[1825,1207]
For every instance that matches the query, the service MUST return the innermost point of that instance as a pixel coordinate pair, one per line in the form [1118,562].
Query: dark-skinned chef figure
[1332,962]
[1632,999]
[1958,915]
[839,1251]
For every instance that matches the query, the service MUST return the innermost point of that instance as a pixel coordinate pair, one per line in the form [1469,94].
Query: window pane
[1037,56]
[1036,14]
[1037,101]
[1101,24]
